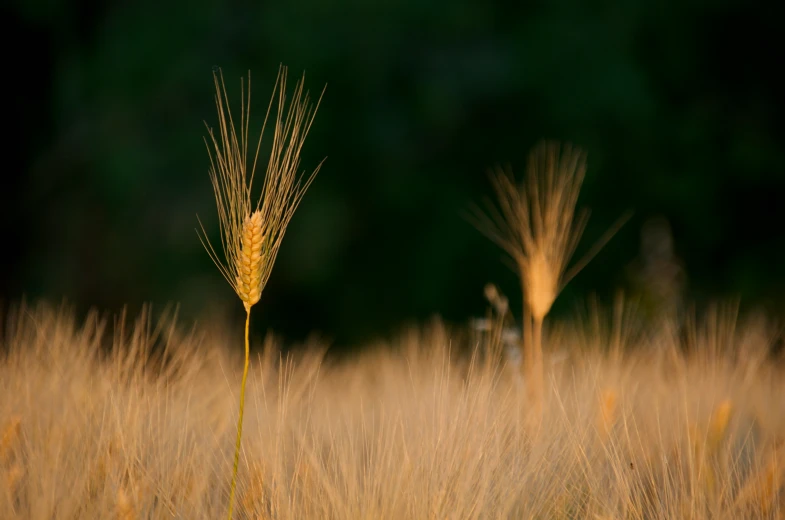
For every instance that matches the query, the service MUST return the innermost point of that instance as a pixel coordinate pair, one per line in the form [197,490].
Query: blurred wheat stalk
[252,233]
[537,224]
[408,430]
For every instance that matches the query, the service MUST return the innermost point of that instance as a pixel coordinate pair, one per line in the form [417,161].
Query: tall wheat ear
[537,225]
[251,233]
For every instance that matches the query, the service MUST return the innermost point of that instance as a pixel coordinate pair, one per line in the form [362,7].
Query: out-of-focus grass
[101,420]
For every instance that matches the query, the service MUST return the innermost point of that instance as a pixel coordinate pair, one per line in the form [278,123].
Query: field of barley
[624,411]
[134,418]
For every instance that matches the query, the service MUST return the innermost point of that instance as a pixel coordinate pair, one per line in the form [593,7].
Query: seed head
[536,222]
[251,233]
[251,258]
[540,285]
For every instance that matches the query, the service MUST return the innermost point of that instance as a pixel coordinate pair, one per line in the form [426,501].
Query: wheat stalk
[251,234]
[537,225]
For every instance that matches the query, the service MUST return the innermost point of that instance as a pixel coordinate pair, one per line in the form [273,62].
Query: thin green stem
[240,420]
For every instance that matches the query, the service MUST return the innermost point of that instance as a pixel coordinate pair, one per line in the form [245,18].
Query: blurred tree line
[678,104]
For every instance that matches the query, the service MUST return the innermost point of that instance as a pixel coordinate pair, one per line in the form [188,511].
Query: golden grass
[414,428]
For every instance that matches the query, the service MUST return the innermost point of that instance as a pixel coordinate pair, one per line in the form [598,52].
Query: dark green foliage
[678,105]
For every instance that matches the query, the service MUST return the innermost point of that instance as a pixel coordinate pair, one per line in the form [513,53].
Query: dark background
[678,104]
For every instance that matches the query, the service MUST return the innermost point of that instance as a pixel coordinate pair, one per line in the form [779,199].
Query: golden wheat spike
[536,224]
[250,259]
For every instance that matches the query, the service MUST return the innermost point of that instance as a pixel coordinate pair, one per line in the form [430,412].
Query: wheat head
[251,232]
[536,222]
[250,258]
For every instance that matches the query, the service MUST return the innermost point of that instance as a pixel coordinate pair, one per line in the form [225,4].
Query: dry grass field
[133,419]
